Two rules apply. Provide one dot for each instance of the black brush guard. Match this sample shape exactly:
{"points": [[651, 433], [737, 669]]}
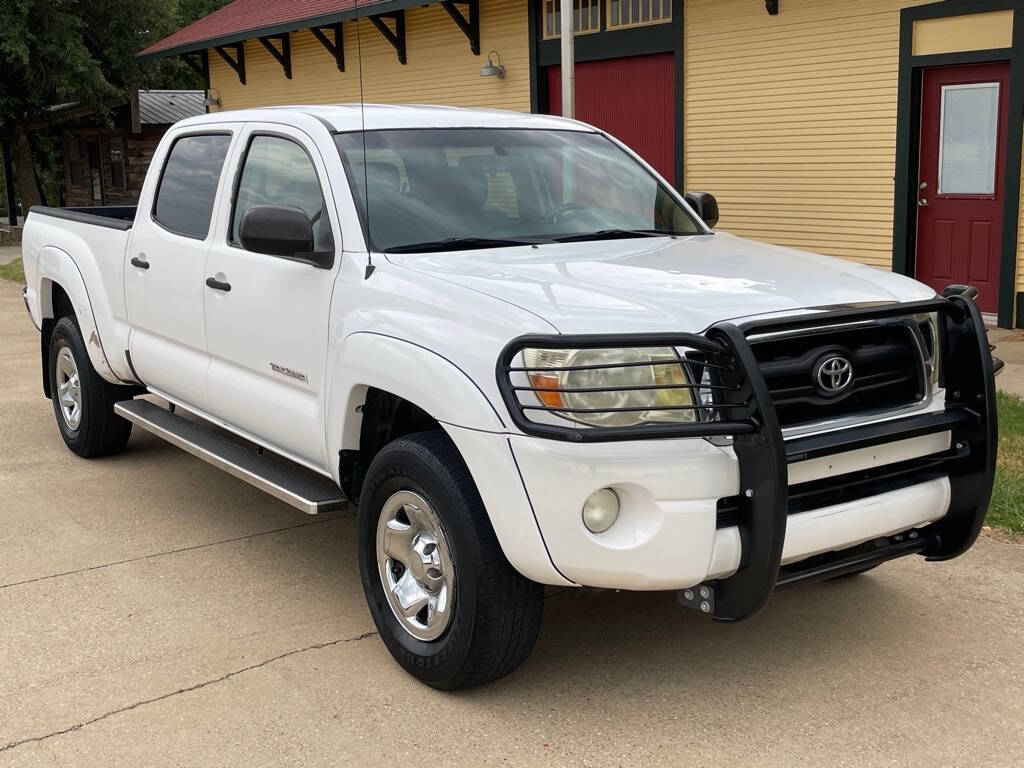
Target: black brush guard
{"points": [[746, 413]]}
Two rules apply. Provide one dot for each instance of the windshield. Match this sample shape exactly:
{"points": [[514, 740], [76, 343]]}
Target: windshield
{"points": [[444, 189]]}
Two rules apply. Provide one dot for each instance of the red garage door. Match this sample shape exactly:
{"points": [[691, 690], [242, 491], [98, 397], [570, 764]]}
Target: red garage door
{"points": [[632, 98]]}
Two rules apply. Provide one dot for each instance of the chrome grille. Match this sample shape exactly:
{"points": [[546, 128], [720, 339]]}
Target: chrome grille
{"points": [[886, 360]]}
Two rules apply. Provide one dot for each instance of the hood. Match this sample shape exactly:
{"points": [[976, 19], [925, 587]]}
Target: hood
{"points": [[662, 284]]}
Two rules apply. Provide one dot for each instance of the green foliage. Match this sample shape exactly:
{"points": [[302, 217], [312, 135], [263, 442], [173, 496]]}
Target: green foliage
{"points": [[1007, 508], [58, 51]]}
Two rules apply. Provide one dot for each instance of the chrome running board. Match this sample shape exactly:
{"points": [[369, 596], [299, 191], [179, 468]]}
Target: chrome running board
{"points": [[310, 494]]}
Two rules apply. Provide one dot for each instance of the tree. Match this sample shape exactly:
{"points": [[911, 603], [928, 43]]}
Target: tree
{"points": [[58, 51]]}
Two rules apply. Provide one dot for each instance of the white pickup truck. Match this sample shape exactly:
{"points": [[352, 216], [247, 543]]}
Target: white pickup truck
{"points": [[524, 355]]}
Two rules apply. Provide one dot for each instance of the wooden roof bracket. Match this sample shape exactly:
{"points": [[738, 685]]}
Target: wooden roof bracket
{"points": [[197, 62], [396, 36], [470, 26], [336, 47], [238, 62], [282, 55]]}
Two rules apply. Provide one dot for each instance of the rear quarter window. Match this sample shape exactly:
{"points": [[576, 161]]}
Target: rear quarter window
{"points": [[188, 184]]}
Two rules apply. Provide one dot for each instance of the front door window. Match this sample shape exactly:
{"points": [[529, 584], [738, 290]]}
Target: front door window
{"points": [[967, 147]]}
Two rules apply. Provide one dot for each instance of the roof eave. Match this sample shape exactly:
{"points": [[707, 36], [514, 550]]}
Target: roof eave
{"points": [[385, 6]]}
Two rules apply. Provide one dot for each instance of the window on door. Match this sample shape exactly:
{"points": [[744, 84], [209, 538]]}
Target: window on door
{"points": [[188, 185], [278, 171], [92, 148], [969, 128], [117, 174], [75, 160]]}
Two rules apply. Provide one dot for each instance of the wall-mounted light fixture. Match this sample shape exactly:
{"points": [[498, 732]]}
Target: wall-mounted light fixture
{"points": [[490, 69], [211, 101], [772, 6]]}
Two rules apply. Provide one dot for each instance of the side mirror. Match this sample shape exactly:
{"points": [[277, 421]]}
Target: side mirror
{"points": [[967, 291], [277, 230], [705, 205]]}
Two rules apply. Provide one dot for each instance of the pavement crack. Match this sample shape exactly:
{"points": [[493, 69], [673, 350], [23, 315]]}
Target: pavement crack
{"points": [[178, 692], [172, 552]]}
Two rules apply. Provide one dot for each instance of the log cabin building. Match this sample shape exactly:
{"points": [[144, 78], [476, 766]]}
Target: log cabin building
{"points": [[106, 163]]}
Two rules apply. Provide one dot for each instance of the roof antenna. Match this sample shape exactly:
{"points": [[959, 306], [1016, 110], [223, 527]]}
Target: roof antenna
{"points": [[362, 119]]}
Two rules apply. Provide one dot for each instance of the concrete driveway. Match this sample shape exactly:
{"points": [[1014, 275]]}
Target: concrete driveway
{"points": [[154, 611]]}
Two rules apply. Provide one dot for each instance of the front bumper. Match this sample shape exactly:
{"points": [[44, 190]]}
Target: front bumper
{"points": [[731, 517]]}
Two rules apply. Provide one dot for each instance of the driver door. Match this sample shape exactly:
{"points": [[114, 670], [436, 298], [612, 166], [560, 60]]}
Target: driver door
{"points": [[267, 317]]}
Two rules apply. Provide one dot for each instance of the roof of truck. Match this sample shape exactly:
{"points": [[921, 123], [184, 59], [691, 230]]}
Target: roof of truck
{"points": [[353, 117]]}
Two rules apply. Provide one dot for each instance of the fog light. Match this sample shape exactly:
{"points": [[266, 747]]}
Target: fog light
{"points": [[601, 510]]}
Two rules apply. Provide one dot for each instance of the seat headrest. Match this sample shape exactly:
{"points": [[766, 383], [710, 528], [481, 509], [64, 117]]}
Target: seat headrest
{"points": [[383, 177]]}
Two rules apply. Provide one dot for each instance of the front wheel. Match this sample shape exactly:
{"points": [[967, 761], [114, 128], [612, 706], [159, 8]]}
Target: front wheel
{"points": [[83, 402], [448, 605]]}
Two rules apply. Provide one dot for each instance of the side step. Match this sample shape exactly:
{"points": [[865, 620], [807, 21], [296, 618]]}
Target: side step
{"points": [[311, 495]]}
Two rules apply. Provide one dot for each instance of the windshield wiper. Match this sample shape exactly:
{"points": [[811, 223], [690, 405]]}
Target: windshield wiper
{"points": [[611, 234], [459, 244]]}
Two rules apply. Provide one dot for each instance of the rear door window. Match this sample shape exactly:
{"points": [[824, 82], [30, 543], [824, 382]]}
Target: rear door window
{"points": [[188, 184]]}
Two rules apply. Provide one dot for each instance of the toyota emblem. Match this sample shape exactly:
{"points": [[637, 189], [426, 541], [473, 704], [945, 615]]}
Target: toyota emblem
{"points": [[833, 375]]}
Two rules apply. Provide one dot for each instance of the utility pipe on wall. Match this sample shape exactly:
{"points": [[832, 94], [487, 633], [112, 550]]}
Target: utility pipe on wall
{"points": [[568, 79]]}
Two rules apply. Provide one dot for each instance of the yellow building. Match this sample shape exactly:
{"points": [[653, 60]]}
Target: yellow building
{"points": [[884, 131]]}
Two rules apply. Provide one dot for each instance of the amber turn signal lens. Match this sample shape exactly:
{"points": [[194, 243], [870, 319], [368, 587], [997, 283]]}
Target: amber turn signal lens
{"points": [[547, 382]]}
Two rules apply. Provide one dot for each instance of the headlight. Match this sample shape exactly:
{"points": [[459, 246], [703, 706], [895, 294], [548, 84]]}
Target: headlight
{"points": [[612, 387]]}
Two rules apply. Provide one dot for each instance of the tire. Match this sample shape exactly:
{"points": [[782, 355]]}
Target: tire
{"points": [[95, 430], [494, 613]]}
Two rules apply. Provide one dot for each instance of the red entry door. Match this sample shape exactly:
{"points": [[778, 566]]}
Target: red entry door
{"points": [[961, 177], [631, 98]]}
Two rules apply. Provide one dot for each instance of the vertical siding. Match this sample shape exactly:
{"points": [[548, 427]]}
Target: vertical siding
{"points": [[441, 69], [791, 120]]}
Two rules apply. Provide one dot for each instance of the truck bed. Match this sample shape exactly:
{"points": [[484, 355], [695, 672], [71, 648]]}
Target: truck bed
{"points": [[112, 216]]}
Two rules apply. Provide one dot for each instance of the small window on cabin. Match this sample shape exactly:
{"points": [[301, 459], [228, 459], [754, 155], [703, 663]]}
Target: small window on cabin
{"points": [[117, 163], [279, 172], [586, 17], [637, 13], [188, 185], [75, 160]]}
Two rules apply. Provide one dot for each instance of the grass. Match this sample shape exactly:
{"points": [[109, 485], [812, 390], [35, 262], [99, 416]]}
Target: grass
{"points": [[1007, 508], [13, 272]]}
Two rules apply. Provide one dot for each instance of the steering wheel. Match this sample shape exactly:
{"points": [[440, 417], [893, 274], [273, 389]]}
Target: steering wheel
{"points": [[559, 212]]}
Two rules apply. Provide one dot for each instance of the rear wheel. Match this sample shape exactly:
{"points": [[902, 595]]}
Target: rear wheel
{"points": [[83, 402], [448, 605]]}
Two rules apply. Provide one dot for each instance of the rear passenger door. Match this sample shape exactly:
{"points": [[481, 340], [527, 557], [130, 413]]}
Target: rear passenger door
{"points": [[165, 269], [267, 332]]}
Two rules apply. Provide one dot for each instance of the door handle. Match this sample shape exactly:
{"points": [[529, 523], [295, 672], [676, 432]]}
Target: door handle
{"points": [[217, 285], [140, 262], [922, 203]]}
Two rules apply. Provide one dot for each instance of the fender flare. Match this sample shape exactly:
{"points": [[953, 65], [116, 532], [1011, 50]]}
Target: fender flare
{"points": [[371, 359], [57, 266]]}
